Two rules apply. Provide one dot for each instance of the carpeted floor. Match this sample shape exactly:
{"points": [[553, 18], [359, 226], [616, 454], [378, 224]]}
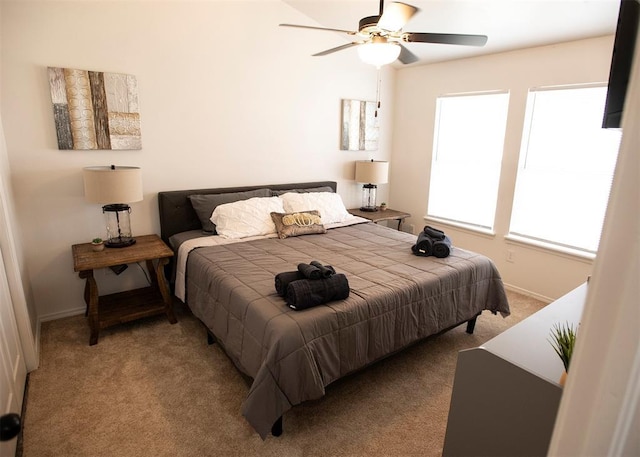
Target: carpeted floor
{"points": [[149, 388]]}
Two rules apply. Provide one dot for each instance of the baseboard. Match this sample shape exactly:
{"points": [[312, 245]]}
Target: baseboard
{"points": [[60, 315], [528, 293], [37, 342]]}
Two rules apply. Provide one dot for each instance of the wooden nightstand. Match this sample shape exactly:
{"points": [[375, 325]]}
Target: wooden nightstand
{"points": [[386, 215], [107, 310]]}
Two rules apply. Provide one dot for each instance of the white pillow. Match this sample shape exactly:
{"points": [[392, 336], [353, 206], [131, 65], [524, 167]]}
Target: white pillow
{"points": [[329, 205], [245, 218]]}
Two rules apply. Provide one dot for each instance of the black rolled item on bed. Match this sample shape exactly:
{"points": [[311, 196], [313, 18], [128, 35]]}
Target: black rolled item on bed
{"points": [[306, 293], [423, 246], [315, 270], [432, 242], [433, 233], [325, 270], [309, 271], [442, 248], [283, 279]]}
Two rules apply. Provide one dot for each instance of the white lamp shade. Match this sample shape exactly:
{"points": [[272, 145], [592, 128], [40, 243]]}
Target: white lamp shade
{"points": [[378, 54], [111, 184], [372, 172]]}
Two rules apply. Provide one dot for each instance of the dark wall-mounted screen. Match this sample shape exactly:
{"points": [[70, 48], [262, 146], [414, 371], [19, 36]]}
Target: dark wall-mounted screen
{"points": [[621, 61]]}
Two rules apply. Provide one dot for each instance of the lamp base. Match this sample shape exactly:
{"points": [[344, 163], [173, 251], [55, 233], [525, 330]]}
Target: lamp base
{"points": [[369, 198], [120, 243], [118, 225]]}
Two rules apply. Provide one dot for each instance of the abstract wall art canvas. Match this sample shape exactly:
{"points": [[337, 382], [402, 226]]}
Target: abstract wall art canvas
{"points": [[95, 110], [359, 126]]}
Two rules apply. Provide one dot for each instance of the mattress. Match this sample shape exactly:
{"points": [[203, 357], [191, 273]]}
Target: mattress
{"points": [[396, 299]]}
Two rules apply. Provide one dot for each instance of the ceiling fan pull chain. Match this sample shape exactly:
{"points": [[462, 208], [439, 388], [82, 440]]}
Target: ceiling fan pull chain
{"points": [[378, 93]]}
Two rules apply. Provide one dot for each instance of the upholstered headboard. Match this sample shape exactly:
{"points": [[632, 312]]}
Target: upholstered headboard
{"points": [[177, 215]]}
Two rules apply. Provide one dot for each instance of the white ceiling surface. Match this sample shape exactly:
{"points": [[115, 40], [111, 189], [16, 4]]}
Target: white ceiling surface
{"points": [[509, 24]]}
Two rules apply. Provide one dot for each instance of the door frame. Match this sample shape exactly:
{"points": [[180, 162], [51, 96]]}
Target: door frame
{"points": [[29, 341]]}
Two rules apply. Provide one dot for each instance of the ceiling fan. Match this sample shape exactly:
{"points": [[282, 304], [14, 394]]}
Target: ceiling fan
{"points": [[379, 38]]}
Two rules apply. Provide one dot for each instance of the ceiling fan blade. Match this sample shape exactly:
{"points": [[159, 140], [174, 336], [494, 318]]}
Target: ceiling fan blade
{"points": [[406, 56], [339, 48], [395, 16], [445, 38], [350, 32]]}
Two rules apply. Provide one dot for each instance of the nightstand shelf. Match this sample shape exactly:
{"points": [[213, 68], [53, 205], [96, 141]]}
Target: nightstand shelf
{"points": [[128, 306], [113, 309]]}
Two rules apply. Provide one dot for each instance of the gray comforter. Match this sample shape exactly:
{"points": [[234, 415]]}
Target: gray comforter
{"points": [[396, 299]]}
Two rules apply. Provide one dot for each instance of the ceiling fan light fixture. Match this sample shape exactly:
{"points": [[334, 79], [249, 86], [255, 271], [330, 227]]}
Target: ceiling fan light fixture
{"points": [[379, 54], [378, 37]]}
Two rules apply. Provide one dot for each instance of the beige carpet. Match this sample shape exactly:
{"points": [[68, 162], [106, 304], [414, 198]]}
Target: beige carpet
{"points": [[153, 389]]}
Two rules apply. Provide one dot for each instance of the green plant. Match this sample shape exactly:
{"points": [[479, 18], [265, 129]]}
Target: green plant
{"points": [[563, 340], [96, 240]]}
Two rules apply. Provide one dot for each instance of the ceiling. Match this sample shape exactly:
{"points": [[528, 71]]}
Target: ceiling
{"points": [[509, 24]]}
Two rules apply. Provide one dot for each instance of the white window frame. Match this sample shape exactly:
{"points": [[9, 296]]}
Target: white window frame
{"points": [[518, 238], [466, 225]]}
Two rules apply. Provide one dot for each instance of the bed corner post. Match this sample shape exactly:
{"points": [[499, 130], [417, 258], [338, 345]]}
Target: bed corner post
{"points": [[276, 428], [471, 324]]}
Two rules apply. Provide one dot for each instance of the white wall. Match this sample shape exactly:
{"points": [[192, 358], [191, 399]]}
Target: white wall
{"points": [[226, 98], [534, 270]]}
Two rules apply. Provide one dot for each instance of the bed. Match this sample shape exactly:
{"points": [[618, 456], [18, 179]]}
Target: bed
{"points": [[396, 298]]}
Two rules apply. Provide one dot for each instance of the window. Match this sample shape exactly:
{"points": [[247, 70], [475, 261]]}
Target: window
{"points": [[467, 155], [565, 169]]}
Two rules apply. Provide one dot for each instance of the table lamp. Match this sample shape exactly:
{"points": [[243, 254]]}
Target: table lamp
{"points": [[371, 172], [114, 187]]}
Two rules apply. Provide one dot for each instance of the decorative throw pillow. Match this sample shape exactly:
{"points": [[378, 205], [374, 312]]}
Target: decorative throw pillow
{"points": [[296, 224], [277, 193], [245, 218], [204, 204], [329, 205]]}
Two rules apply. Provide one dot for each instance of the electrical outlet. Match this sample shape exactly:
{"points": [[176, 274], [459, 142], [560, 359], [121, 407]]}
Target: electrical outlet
{"points": [[511, 256]]}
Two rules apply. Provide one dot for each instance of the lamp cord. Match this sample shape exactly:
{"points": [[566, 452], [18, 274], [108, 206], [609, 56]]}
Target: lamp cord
{"points": [[119, 231], [144, 271]]}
